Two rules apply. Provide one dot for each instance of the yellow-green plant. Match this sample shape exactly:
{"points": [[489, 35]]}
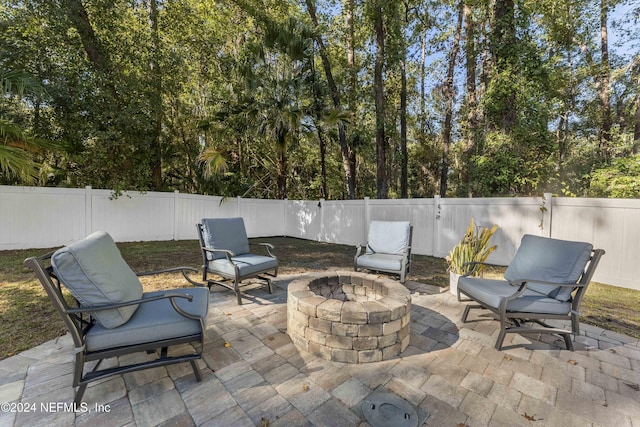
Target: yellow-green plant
{"points": [[473, 247]]}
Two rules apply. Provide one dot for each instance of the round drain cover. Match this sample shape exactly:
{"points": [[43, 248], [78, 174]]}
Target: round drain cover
{"points": [[388, 410]]}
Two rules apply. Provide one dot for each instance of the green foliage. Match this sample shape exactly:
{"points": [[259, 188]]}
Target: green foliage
{"points": [[17, 142], [511, 164], [473, 247], [621, 179], [232, 98]]}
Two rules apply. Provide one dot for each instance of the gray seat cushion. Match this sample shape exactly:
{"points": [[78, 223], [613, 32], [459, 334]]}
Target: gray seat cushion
{"points": [[225, 233], [154, 321], [549, 260], [378, 261], [248, 265], [491, 292], [388, 237], [96, 274]]}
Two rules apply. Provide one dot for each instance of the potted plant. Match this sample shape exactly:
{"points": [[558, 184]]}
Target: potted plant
{"points": [[473, 247]]}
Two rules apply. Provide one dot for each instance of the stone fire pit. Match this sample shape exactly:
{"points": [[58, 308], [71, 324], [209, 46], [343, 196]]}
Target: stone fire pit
{"points": [[348, 316]]}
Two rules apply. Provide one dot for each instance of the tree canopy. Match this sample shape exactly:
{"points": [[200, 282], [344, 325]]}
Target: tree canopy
{"points": [[331, 99]]}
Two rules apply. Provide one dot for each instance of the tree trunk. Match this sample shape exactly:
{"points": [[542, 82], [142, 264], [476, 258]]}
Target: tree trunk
{"points": [[323, 163], [156, 99], [471, 98], [504, 61], [636, 127], [378, 86], [99, 58], [348, 154], [322, 145], [636, 124], [353, 87], [448, 96], [603, 90], [281, 180], [563, 126], [351, 60], [423, 79], [404, 156]]}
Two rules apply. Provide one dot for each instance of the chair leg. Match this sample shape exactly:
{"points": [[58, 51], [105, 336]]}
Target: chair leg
{"points": [[79, 394], [78, 374], [466, 311], [501, 335], [568, 342], [196, 370], [236, 287], [269, 285]]}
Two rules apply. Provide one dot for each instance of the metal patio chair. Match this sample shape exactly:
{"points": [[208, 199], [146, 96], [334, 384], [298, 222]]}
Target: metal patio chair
{"points": [[226, 253], [113, 316], [388, 248], [546, 280]]}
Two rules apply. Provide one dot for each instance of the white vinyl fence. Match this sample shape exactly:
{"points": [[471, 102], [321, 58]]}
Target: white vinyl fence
{"points": [[35, 217]]}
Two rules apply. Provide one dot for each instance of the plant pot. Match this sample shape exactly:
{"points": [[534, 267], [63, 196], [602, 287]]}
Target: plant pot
{"points": [[453, 282]]}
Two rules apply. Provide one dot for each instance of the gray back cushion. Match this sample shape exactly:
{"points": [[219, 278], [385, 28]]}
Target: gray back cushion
{"points": [[225, 233], [388, 237], [550, 260], [96, 274]]}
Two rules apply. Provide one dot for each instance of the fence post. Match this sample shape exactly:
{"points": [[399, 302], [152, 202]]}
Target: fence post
{"points": [[176, 193], [367, 219], [547, 214], [238, 207], [285, 229], [321, 231], [88, 210], [435, 230]]}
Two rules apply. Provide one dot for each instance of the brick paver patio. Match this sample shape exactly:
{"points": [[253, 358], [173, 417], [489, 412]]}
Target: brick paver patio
{"points": [[254, 376]]}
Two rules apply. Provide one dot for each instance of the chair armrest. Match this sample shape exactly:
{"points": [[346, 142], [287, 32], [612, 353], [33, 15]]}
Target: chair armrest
{"points": [[167, 270], [268, 246], [227, 252], [360, 247], [127, 303], [522, 286], [543, 282]]}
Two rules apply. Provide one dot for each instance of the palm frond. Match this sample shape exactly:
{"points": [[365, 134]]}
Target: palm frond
{"points": [[214, 162], [17, 162]]}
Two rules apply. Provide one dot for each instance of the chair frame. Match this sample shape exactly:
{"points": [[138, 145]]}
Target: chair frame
{"points": [[405, 267], [78, 321], [513, 321], [236, 278]]}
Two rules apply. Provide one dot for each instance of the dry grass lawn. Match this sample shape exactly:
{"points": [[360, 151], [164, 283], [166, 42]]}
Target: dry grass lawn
{"points": [[28, 318]]}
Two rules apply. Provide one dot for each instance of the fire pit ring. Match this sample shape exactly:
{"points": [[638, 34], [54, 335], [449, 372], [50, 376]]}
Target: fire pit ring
{"points": [[349, 317]]}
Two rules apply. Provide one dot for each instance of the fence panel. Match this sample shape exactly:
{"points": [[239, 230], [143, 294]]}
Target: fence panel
{"points": [[33, 217], [133, 216], [421, 214], [343, 222], [191, 208], [263, 218], [514, 217], [302, 219], [609, 224]]}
